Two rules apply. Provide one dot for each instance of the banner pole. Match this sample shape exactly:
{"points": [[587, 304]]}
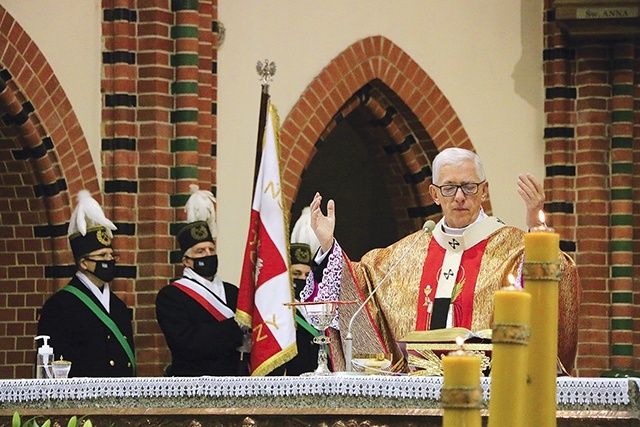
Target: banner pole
{"points": [[266, 71]]}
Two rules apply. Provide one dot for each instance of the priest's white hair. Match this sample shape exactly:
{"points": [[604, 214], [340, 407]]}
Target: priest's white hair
{"points": [[455, 156]]}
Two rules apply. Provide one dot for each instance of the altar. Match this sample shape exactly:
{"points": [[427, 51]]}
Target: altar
{"points": [[336, 401]]}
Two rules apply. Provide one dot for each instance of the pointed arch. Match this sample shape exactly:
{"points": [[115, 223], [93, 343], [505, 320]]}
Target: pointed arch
{"points": [[41, 120], [415, 114]]}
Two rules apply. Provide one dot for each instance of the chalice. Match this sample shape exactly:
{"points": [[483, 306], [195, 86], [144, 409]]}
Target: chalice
{"points": [[319, 314]]}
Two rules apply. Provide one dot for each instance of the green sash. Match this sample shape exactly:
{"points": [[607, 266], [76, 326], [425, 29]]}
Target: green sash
{"points": [[106, 320], [302, 322]]}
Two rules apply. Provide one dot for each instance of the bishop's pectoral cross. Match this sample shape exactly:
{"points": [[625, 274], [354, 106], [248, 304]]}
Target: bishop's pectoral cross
{"points": [[454, 243]]}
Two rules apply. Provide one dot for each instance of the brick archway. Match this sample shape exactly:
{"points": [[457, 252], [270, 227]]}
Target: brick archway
{"points": [[43, 158], [46, 107], [414, 113]]}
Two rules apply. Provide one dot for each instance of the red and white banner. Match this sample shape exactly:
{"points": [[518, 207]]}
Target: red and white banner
{"points": [[265, 283]]}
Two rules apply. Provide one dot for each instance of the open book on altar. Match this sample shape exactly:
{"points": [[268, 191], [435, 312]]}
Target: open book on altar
{"points": [[425, 348], [448, 335]]}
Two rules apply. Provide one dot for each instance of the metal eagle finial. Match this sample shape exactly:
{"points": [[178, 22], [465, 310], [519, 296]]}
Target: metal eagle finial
{"points": [[266, 71]]}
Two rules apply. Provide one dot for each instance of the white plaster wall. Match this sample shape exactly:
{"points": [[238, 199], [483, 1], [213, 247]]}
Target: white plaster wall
{"points": [[69, 35], [486, 57]]}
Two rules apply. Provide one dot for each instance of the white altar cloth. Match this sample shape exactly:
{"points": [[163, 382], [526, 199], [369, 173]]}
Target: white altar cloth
{"points": [[570, 391]]}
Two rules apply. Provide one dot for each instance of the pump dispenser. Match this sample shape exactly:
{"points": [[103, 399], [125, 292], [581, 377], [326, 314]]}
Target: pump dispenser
{"points": [[44, 358]]}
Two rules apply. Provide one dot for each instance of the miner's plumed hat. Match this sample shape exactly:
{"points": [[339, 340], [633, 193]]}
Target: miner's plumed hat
{"points": [[89, 229], [304, 243], [201, 219], [303, 233], [300, 253]]}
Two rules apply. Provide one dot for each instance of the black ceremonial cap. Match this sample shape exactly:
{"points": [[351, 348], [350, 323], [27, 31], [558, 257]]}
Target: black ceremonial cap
{"points": [[192, 234]]}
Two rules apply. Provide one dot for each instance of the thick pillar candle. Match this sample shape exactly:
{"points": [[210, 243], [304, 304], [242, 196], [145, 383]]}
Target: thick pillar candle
{"points": [[461, 395], [541, 273], [509, 356]]}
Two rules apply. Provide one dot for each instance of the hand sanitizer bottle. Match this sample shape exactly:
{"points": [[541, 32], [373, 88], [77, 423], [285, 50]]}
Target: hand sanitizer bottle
{"points": [[44, 358]]}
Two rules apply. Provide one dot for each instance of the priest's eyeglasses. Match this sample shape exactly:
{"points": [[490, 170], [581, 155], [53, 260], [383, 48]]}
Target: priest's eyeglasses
{"points": [[468, 189]]}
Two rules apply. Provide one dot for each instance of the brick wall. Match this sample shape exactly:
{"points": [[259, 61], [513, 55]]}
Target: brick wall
{"points": [[592, 137]]}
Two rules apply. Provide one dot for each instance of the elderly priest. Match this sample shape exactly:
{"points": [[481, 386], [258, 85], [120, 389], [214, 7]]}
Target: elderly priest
{"points": [[441, 279]]}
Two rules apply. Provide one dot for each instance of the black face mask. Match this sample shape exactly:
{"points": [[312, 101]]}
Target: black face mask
{"points": [[298, 285], [105, 270], [206, 266]]}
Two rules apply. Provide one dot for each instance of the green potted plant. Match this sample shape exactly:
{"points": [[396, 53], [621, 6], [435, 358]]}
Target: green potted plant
{"points": [[32, 422]]}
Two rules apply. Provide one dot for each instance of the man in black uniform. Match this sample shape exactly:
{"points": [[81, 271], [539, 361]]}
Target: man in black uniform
{"points": [[307, 358], [197, 312], [88, 324], [303, 244]]}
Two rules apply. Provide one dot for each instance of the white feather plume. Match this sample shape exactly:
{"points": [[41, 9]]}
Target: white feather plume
{"points": [[88, 213], [303, 233], [201, 207]]}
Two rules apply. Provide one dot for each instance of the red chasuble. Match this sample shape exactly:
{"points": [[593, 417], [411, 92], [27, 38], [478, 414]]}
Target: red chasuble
{"points": [[398, 306]]}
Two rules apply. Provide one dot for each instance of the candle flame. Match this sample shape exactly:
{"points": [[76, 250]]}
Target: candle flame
{"points": [[541, 216], [460, 351], [511, 279]]}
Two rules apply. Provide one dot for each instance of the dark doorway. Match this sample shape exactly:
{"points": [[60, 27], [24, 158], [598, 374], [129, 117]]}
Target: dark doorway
{"points": [[346, 170]]}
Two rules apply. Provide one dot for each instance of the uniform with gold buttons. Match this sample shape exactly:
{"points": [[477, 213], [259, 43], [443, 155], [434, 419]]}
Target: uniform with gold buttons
{"points": [[85, 320], [79, 336]]}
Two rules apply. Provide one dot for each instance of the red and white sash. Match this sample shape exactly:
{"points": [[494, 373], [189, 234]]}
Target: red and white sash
{"points": [[205, 298]]}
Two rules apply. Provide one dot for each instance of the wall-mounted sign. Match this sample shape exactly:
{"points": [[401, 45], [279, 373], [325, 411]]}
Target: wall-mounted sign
{"points": [[604, 19], [606, 12]]}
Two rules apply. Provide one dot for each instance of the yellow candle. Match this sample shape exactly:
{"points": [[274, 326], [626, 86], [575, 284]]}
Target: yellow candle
{"points": [[510, 339], [461, 394], [541, 272]]}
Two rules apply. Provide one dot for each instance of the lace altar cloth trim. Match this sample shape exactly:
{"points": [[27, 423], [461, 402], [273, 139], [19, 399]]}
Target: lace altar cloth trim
{"points": [[570, 391]]}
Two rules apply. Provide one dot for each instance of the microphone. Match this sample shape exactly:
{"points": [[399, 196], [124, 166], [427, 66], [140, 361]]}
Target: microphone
{"points": [[348, 341]]}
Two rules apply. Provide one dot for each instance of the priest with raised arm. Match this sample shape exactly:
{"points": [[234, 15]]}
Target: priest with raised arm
{"points": [[439, 279]]}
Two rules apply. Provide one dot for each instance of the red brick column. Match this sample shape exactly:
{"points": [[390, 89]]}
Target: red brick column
{"points": [[159, 127], [592, 112], [635, 296], [621, 247], [593, 205], [154, 242], [120, 132], [207, 105]]}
